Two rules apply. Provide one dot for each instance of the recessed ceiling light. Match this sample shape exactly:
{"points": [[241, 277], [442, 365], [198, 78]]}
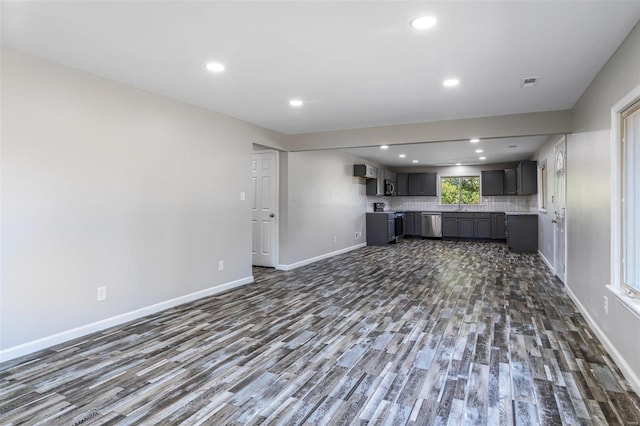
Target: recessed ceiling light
{"points": [[296, 103], [215, 67], [482, 158], [458, 164], [478, 151], [423, 22], [474, 140], [402, 155], [451, 82], [384, 146], [414, 161]]}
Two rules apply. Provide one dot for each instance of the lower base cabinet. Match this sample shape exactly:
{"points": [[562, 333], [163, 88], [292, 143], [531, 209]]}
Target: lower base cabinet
{"points": [[482, 225], [381, 228], [478, 225], [413, 224], [522, 233], [498, 226]]}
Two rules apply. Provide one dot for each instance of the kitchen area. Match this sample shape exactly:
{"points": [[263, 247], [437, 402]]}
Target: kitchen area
{"points": [[414, 205]]}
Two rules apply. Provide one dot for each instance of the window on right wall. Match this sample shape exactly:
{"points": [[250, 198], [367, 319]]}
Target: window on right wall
{"points": [[542, 185], [630, 197]]}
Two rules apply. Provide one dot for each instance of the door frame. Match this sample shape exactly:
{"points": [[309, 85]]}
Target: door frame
{"points": [[276, 230], [562, 278]]}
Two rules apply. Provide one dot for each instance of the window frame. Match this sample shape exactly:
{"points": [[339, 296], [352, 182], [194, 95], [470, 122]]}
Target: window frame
{"points": [[543, 177], [629, 296], [468, 175]]}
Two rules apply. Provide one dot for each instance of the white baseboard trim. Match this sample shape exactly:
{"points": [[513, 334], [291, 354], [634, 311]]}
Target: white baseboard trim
{"points": [[546, 262], [317, 258], [65, 336], [628, 373]]}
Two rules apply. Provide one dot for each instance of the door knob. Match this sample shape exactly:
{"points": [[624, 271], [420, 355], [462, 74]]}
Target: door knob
{"points": [[272, 215]]}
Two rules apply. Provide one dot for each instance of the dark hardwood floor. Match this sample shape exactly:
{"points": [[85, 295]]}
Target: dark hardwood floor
{"points": [[425, 332]]}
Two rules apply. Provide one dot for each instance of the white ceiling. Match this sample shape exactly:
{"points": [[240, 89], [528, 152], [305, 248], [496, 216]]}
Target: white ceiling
{"points": [[499, 150], [355, 64]]}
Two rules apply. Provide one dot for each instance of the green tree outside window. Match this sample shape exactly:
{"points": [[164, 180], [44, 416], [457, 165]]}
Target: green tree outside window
{"points": [[460, 190]]}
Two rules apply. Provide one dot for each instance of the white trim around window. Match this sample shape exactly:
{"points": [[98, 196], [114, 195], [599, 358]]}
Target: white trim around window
{"points": [[617, 287]]}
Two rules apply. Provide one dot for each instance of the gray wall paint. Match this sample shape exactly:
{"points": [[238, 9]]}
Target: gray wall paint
{"points": [[615, 80], [323, 200], [106, 185], [588, 199]]}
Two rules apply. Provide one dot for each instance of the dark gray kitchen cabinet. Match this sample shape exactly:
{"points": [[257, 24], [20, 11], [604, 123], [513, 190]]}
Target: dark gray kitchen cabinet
{"points": [[413, 224], [498, 227], [522, 233], [510, 182], [482, 225], [409, 224], [457, 225], [492, 182], [381, 228], [417, 224], [402, 184], [449, 226], [423, 184], [527, 178], [465, 226]]}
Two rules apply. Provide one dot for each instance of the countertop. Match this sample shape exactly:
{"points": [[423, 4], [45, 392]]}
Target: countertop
{"points": [[521, 213]]}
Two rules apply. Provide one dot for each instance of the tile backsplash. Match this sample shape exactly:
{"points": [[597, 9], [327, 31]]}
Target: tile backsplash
{"points": [[503, 203]]}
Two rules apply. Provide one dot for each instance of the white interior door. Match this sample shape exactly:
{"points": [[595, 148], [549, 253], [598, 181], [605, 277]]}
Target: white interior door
{"points": [[560, 208], [264, 208]]}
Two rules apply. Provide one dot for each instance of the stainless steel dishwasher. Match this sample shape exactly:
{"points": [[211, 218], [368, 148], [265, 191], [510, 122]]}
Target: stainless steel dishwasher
{"points": [[431, 224]]}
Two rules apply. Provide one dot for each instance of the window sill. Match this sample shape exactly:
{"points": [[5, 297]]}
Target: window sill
{"points": [[629, 303]]}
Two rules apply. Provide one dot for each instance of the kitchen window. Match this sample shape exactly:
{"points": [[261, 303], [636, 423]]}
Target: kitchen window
{"points": [[460, 190]]}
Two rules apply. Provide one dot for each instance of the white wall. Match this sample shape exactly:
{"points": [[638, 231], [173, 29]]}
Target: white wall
{"points": [[588, 202], [321, 200], [106, 185]]}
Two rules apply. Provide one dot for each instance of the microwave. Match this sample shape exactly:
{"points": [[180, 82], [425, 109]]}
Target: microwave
{"points": [[389, 187]]}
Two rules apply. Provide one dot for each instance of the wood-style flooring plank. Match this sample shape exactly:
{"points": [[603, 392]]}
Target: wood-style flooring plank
{"points": [[422, 332]]}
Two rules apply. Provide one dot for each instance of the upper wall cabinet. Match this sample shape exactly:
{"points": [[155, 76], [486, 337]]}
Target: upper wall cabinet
{"points": [[364, 170], [402, 184], [527, 178], [492, 182], [522, 180], [424, 184], [510, 182]]}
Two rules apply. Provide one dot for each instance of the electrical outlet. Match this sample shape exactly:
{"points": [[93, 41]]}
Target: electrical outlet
{"points": [[357, 235], [102, 294], [606, 305], [242, 196], [221, 265], [335, 239]]}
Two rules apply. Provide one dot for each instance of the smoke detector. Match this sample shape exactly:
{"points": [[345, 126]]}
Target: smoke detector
{"points": [[528, 82]]}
